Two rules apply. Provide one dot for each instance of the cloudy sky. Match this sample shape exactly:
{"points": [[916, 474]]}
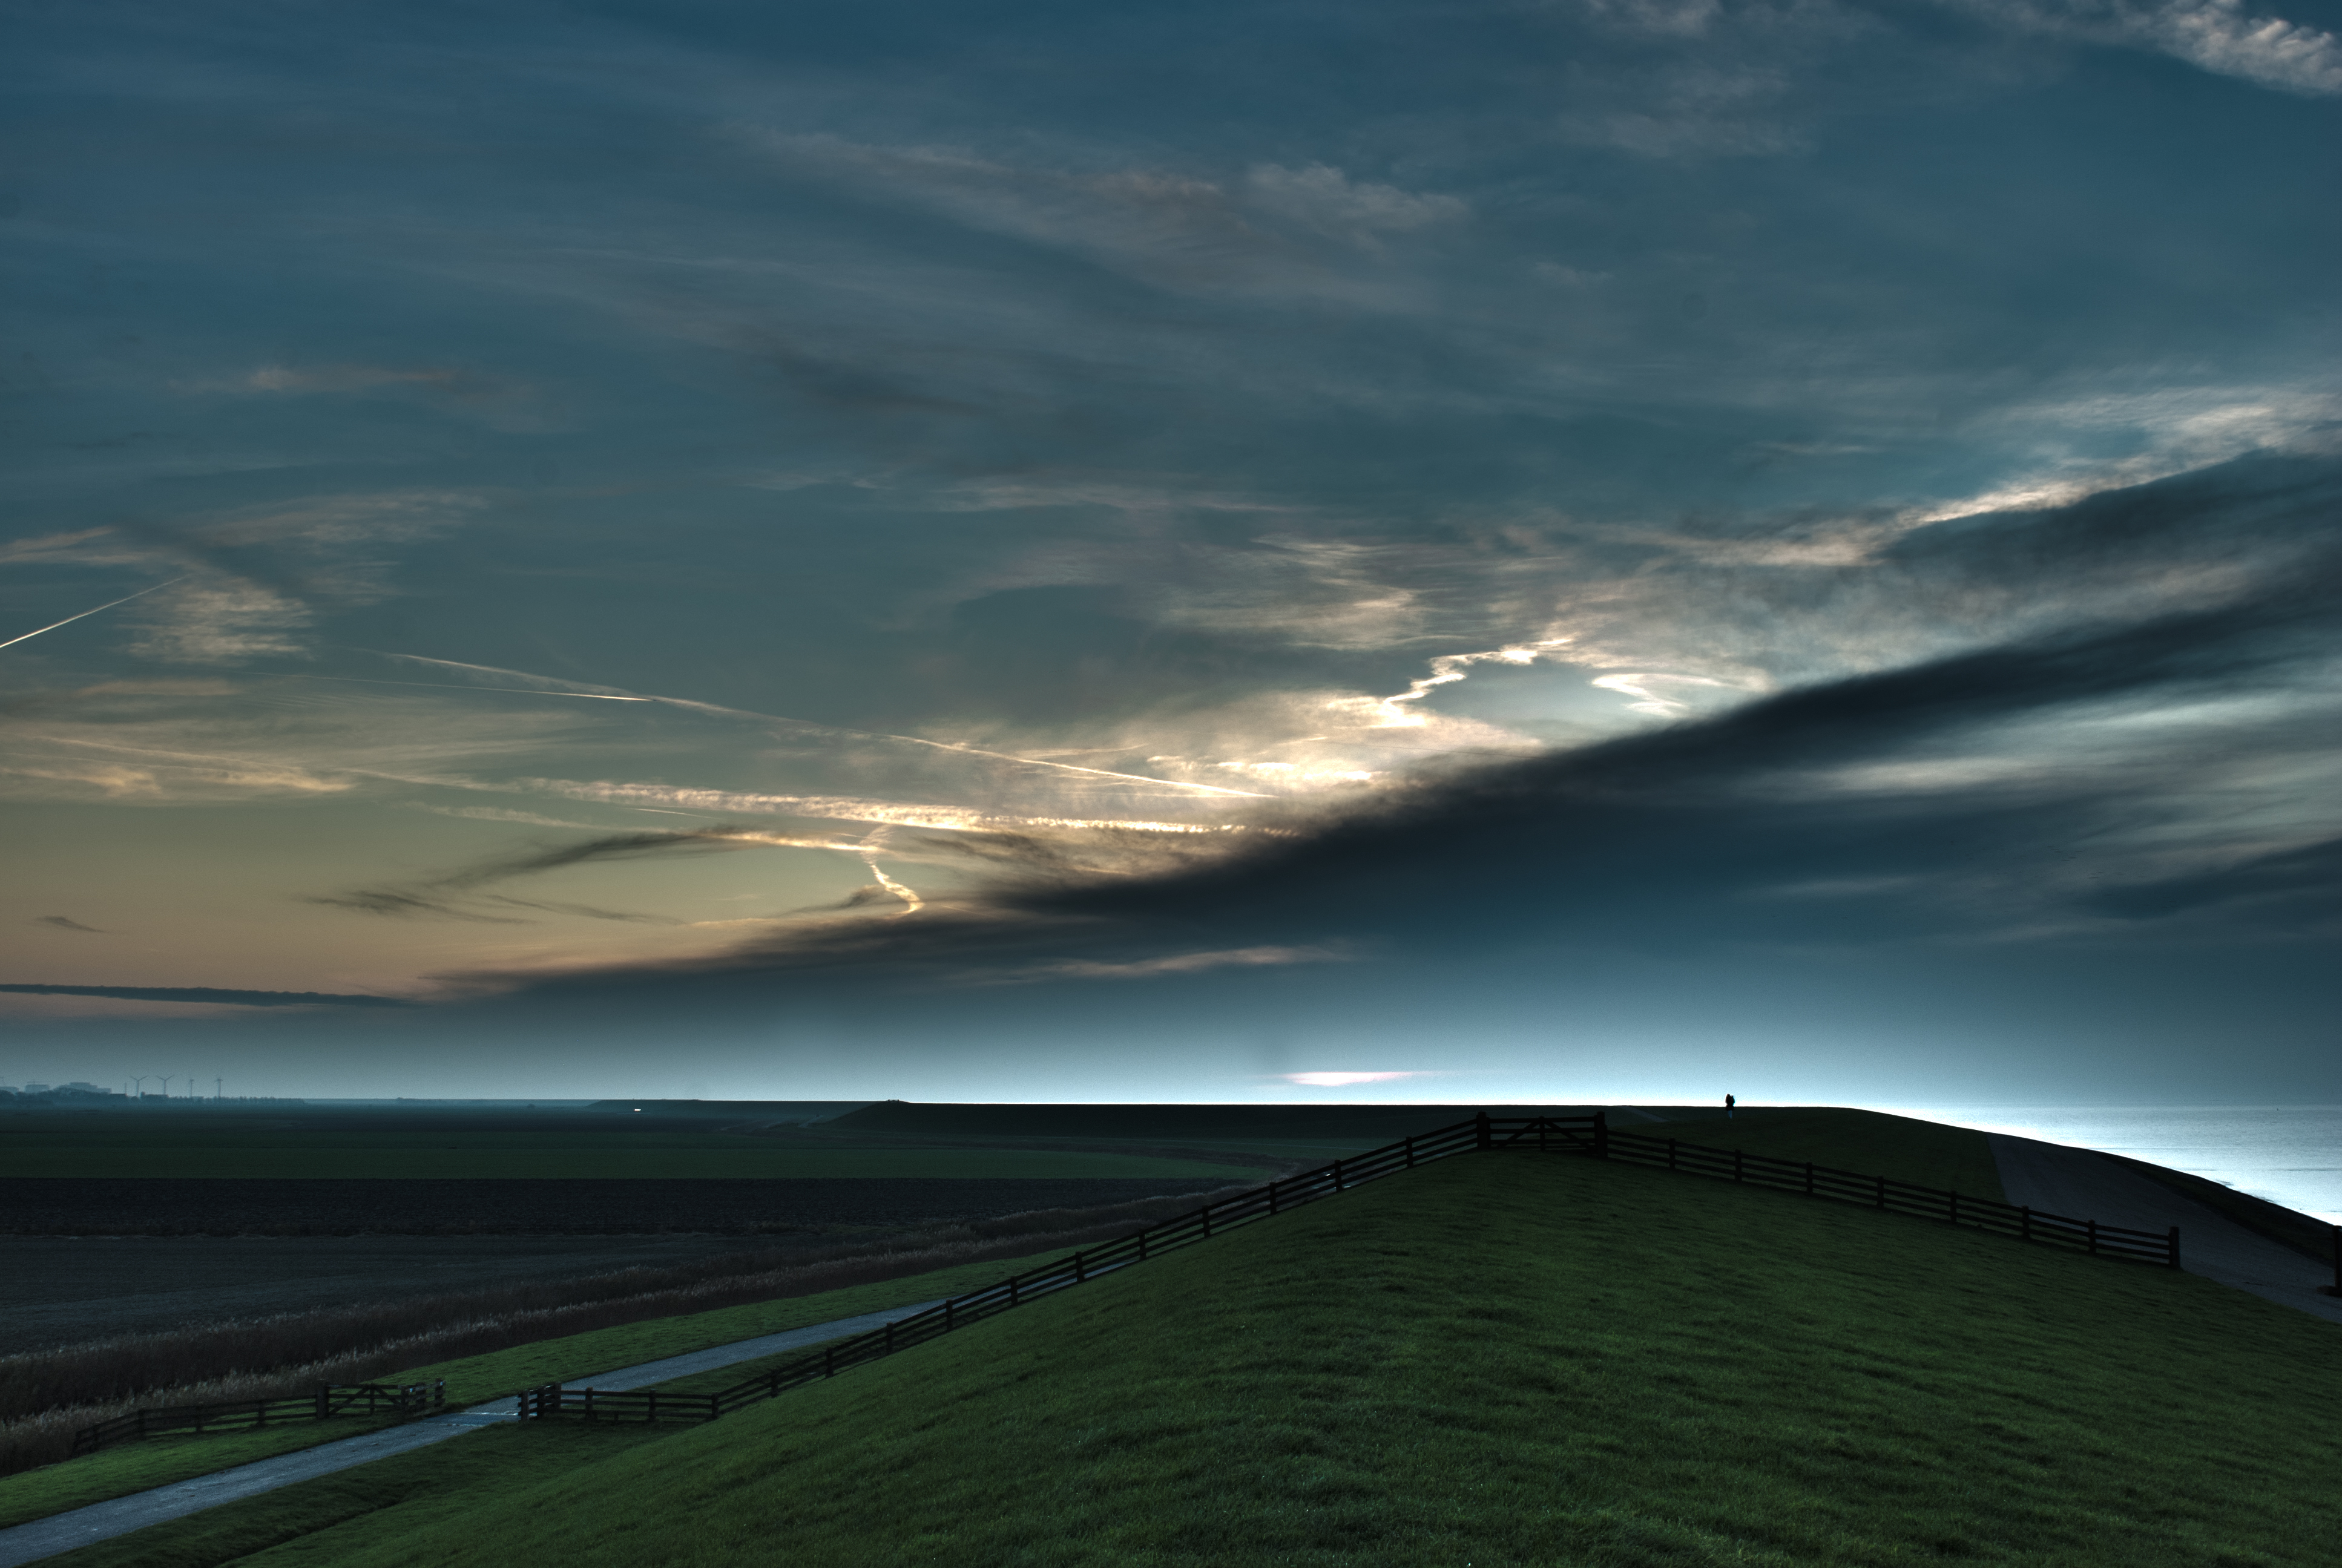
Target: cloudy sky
{"points": [[1577, 549]]}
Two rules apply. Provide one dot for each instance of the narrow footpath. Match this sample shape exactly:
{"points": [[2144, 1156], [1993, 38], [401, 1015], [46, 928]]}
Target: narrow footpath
{"points": [[30, 1543], [2082, 1181]]}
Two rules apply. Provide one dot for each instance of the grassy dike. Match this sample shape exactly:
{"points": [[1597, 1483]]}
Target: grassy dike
{"points": [[1494, 1360]]}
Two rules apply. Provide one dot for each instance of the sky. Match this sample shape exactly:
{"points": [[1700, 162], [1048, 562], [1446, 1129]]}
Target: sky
{"points": [[1599, 549]]}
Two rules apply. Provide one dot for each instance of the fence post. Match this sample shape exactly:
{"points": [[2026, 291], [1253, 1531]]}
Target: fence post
{"points": [[2094, 1238], [948, 1324], [1882, 1191], [1955, 1207], [890, 1337], [325, 1393], [1205, 1214], [1142, 1246], [1082, 1264], [1671, 1153], [1272, 1209], [1337, 1175], [1601, 1135], [2175, 1246], [2025, 1224], [650, 1411], [1410, 1165], [829, 1353], [1480, 1125], [1810, 1178], [1015, 1285]]}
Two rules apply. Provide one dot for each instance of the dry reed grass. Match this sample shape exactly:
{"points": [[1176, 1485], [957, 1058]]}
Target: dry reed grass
{"points": [[45, 1396]]}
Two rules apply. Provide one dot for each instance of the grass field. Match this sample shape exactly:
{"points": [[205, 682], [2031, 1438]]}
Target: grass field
{"points": [[473, 1380], [1486, 1362], [261, 1153]]}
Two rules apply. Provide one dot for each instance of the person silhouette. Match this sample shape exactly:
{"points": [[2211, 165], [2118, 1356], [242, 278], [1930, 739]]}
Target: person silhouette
{"points": [[1728, 1103]]}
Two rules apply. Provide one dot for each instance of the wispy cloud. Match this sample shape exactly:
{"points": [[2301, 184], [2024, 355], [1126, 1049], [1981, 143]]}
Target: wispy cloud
{"points": [[1186, 231], [1157, 968], [1813, 815], [502, 402], [2218, 35], [66, 922]]}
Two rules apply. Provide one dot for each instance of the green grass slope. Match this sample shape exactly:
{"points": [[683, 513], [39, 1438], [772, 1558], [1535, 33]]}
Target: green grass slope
{"points": [[474, 1380], [1496, 1360]]}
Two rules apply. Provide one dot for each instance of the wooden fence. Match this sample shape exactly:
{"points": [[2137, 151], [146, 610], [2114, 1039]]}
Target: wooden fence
{"points": [[368, 1399], [1590, 1136], [1898, 1197]]}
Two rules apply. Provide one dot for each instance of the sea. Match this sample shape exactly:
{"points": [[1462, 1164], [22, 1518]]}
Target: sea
{"points": [[2289, 1154]]}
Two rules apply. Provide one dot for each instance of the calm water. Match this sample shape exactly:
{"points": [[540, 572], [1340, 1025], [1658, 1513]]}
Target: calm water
{"points": [[2290, 1155]]}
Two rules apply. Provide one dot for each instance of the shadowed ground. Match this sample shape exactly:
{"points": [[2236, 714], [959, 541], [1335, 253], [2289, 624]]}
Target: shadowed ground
{"points": [[2086, 1184]]}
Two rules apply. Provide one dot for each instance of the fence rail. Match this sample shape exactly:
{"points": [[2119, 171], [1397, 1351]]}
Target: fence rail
{"points": [[1589, 1136], [1900, 1197], [406, 1401]]}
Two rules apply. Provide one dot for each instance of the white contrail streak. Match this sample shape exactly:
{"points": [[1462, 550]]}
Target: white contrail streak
{"points": [[69, 620], [451, 686], [1068, 767], [833, 730], [871, 842], [947, 745]]}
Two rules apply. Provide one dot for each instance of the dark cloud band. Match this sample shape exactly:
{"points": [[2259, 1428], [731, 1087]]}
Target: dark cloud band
{"points": [[212, 995]]}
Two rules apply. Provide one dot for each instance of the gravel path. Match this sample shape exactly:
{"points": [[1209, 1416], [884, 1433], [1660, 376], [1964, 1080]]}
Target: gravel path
{"points": [[117, 1516], [2087, 1186]]}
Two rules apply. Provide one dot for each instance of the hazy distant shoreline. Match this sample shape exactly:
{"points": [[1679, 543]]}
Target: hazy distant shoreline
{"points": [[2289, 1154]]}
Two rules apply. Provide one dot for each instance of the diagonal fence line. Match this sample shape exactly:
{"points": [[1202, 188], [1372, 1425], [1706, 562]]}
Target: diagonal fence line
{"points": [[404, 1401], [1588, 1135]]}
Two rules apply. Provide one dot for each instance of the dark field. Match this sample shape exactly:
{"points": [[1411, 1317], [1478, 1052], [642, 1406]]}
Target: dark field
{"points": [[154, 1218], [159, 1217], [59, 1290], [574, 1207], [223, 1145]]}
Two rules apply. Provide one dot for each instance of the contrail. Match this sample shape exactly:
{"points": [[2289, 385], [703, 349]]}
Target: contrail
{"points": [[1043, 763], [947, 745], [69, 620], [827, 729], [451, 686]]}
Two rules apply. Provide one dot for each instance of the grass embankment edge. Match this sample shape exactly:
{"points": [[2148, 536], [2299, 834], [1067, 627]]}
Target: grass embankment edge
{"points": [[49, 1394], [1496, 1362], [476, 1379]]}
